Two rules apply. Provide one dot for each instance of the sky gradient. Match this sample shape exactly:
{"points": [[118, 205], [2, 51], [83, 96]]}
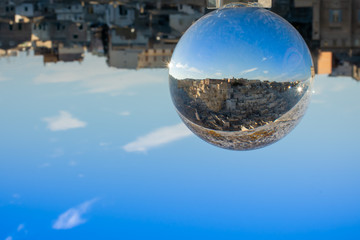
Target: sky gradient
{"points": [[92, 152], [251, 43]]}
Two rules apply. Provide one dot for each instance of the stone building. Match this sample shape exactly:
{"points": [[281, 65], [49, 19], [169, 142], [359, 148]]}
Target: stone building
{"points": [[12, 34], [157, 57], [234, 104], [65, 31], [335, 23]]}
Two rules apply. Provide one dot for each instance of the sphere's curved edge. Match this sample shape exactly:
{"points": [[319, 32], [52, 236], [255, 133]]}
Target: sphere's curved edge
{"points": [[255, 138], [240, 78]]}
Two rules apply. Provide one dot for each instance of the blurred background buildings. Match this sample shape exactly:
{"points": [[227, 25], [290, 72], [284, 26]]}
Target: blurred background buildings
{"points": [[144, 33]]}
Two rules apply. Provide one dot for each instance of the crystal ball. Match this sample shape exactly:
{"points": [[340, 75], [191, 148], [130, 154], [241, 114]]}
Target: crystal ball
{"points": [[240, 77]]}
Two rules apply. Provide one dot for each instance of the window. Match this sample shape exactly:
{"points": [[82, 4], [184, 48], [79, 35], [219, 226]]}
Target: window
{"points": [[335, 16], [357, 42], [26, 9], [122, 11]]}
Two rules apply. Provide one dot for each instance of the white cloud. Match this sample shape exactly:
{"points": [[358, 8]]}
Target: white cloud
{"points": [[249, 70], [2, 78], [9, 238], [58, 152], [195, 70], [180, 65], [125, 113], [104, 144], [63, 121], [158, 137], [339, 87], [219, 74], [100, 79], [44, 165], [73, 217], [20, 227], [16, 195], [16, 199], [264, 59], [72, 163], [187, 68], [266, 72]]}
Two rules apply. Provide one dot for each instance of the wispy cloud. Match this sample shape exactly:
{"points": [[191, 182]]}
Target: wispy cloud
{"points": [[338, 87], [248, 70], [73, 163], [158, 137], [58, 152], [104, 144], [19, 234], [266, 58], [195, 70], [187, 68], [44, 165], [219, 74], [182, 66], [16, 195], [16, 199], [20, 227], [3, 78], [73, 217], [63, 121], [100, 80], [125, 113]]}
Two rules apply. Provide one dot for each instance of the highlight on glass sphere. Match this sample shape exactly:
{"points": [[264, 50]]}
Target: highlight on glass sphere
{"points": [[240, 77]]}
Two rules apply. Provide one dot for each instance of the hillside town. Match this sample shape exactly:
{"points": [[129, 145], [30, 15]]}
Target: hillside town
{"points": [[235, 104], [144, 33], [128, 34]]}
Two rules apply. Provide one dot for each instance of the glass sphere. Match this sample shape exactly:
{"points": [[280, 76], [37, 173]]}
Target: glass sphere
{"points": [[240, 77]]}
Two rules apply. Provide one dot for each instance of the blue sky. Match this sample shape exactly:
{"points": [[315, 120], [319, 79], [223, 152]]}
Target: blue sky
{"points": [[242, 42], [91, 152]]}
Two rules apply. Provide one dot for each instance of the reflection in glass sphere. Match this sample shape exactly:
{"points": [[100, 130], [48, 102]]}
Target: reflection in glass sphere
{"points": [[240, 77]]}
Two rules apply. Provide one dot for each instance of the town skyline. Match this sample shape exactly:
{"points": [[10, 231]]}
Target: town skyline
{"points": [[146, 32]]}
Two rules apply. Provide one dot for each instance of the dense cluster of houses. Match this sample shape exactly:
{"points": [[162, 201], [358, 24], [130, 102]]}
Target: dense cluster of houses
{"points": [[129, 34], [143, 33]]}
